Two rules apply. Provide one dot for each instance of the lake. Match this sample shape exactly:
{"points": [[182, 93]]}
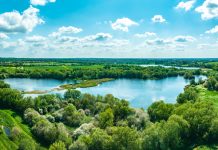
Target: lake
{"points": [[28, 85], [153, 65], [140, 93]]}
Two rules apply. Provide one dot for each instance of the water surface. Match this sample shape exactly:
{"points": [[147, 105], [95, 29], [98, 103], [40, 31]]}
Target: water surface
{"points": [[153, 65], [140, 93]]}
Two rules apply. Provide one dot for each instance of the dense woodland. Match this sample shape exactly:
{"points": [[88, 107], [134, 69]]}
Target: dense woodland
{"points": [[99, 71], [85, 122]]}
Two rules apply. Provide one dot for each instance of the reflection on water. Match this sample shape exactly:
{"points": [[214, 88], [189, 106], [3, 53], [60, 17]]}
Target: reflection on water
{"points": [[188, 68], [140, 93]]}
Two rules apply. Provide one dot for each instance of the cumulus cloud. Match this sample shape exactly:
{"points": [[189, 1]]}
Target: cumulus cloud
{"points": [[213, 30], [3, 36], [35, 38], [145, 35], [123, 24], [98, 37], [66, 30], [184, 39], [158, 42], [186, 5], [69, 30], [14, 22], [176, 39], [208, 10], [41, 2], [158, 19], [69, 39]]}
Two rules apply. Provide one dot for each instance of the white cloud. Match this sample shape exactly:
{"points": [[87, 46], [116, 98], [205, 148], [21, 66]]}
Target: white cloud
{"points": [[66, 30], [35, 38], [123, 24], [158, 42], [208, 10], [41, 2], [213, 30], [145, 35], [69, 30], [13, 22], [3, 36], [172, 41], [158, 19], [182, 39], [69, 39], [186, 5], [98, 37]]}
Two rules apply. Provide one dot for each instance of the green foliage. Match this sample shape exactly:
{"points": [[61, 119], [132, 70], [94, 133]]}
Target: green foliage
{"points": [[106, 118], [125, 138], [122, 110], [99, 140], [72, 117], [58, 146], [74, 94], [166, 135], [200, 116], [212, 84], [78, 145], [160, 111], [86, 122], [4, 85], [14, 134], [189, 75], [190, 94]]}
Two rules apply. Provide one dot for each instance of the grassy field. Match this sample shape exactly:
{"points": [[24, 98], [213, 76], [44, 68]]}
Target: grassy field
{"points": [[205, 94], [9, 120]]}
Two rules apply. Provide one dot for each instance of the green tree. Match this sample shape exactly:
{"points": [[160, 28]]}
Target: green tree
{"points": [[4, 85], [57, 146], [75, 94], [190, 94], [125, 138], [200, 116], [72, 117], [160, 111], [99, 140], [106, 118], [164, 135]]}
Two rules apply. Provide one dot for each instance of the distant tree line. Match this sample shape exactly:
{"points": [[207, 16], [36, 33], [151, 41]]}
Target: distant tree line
{"points": [[107, 71]]}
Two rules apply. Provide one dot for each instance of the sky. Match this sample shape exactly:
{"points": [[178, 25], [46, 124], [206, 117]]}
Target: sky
{"points": [[109, 28]]}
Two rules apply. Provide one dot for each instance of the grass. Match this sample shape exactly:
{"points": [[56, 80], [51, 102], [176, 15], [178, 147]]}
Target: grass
{"points": [[205, 94], [35, 92], [10, 119], [86, 83]]}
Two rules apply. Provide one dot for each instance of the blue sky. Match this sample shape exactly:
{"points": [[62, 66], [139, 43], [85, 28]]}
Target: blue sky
{"points": [[109, 28]]}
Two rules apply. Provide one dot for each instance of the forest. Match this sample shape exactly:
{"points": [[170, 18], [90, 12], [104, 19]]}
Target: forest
{"points": [[81, 121]]}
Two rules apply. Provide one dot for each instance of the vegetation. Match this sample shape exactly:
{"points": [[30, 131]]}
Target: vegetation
{"points": [[86, 83], [85, 122], [70, 69]]}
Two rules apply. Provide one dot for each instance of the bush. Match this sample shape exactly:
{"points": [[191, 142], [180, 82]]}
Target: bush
{"points": [[160, 111]]}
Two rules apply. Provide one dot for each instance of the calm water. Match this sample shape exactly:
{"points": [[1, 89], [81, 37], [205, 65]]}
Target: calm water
{"points": [[28, 85], [140, 93], [188, 68], [35, 84]]}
